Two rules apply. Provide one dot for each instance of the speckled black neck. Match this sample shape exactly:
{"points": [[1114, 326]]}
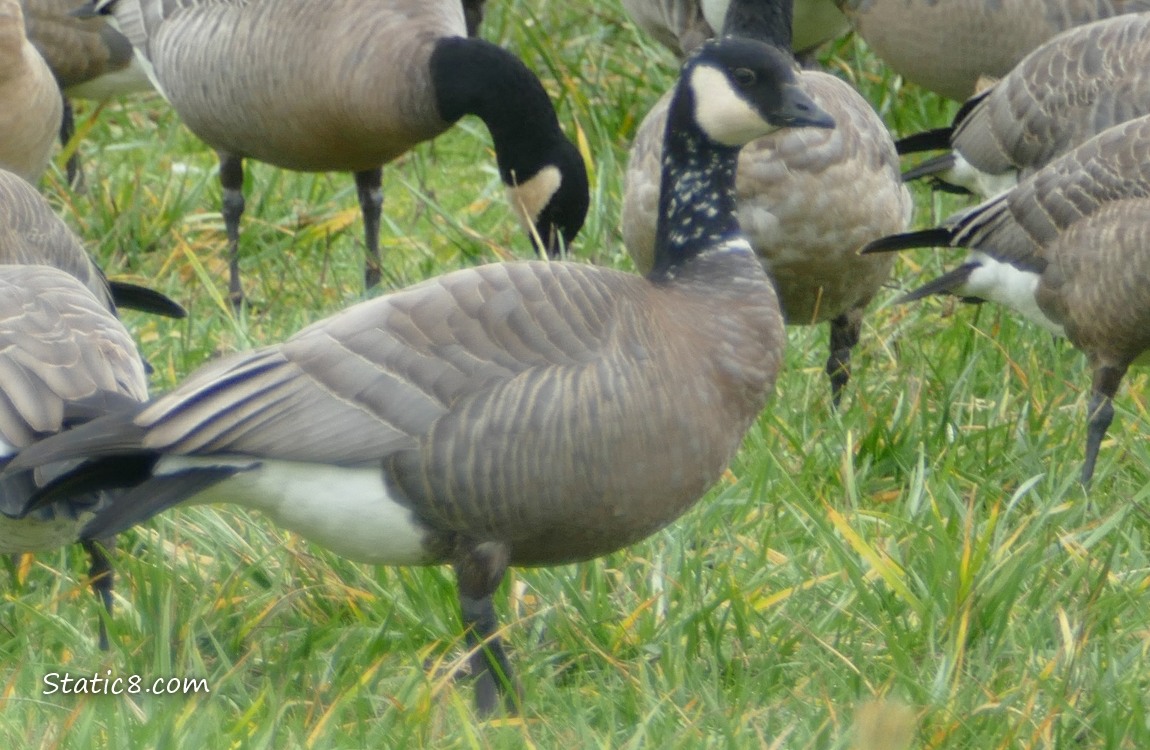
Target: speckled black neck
{"points": [[768, 21], [697, 191]]}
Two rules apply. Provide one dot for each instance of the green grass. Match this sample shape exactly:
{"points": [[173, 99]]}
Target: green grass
{"points": [[928, 544]]}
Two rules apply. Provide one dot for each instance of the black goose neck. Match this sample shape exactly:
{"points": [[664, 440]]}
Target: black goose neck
{"points": [[768, 21], [475, 77], [697, 190]]}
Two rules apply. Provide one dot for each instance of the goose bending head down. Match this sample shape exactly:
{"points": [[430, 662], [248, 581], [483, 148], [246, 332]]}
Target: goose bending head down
{"points": [[347, 85], [532, 413]]}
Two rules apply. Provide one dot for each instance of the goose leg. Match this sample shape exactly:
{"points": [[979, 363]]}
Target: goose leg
{"points": [[845, 330], [232, 183], [478, 570], [369, 186], [67, 130], [473, 12], [1105, 385], [101, 577]]}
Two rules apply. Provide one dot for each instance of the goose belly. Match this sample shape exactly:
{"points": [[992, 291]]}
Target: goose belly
{"points": [[351, 511]]}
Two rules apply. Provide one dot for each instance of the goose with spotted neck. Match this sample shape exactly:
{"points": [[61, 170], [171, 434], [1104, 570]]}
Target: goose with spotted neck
{"points": [[531, 413]]}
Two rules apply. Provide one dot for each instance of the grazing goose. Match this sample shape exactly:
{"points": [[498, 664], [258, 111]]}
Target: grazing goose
{"points": [[808, 199], [89, 59], [1066, 248], [682, 25], [347, 85], [32, 234], [30, 105], [64, 356], [1068, 90], [532, 413], [947, 47]]}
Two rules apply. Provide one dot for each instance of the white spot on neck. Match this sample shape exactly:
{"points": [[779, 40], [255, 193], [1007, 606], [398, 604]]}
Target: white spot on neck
{"points": [[530, 197], [722, 114]]}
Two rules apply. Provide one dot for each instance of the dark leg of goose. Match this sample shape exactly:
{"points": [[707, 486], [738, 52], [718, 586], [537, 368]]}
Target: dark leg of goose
{"points": [[100, 575], [473, 12], [1102, 390], [232, 182], [845, 330], [67, 130], [478, 570], [369, 185]]}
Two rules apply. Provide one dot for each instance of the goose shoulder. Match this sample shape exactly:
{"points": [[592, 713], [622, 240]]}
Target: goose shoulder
{"points": [[30, 105], [947, 47], [358, 102], [807, 200], [1066, 91], [678, 25]]}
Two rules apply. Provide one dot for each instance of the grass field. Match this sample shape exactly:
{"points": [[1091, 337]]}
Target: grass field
{"points": [[929, 545]]}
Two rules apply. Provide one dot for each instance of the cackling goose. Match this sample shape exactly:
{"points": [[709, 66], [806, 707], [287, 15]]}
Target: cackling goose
{"points": [[348, 86], [1065, 92], [948, 46], [808, 199], [531, 413], [1065, 248]]}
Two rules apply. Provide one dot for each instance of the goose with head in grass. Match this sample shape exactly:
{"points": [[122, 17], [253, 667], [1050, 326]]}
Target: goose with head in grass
{"points": [[349, 86], [64, 358], [532, 413], [1069, 249], [1070, 89], [807, 199]]}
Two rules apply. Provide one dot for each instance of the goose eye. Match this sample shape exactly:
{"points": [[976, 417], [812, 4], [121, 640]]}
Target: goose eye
{"points": [[744, 77]]}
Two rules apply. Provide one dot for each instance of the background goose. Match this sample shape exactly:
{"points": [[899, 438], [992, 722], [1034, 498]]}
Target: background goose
{"points": [[682, 25], [32, 234], [89, 59], [64, 357], [1089, 287], [30, 105], [1068, 90], [531, 413], [349, 86], [948, 46], [808, 199]]}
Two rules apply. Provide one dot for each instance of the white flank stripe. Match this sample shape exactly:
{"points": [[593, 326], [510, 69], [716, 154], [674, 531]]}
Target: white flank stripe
{"points": [[978, 182], [349, 511], [1003, 283]]}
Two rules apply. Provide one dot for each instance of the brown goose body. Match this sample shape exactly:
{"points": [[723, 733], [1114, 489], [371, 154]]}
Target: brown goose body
{"points": [[30, 104], [349, 86], [89, 58], [807, 199], [947, 47], [1073, 87], [521, 413], [1065, 248]]}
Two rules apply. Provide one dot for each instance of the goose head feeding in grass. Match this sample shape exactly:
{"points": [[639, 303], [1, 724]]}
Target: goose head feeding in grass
{"points": [[531, 413], [350, 86]]}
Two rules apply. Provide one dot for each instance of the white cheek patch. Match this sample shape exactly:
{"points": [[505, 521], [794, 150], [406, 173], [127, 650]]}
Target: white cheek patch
{"points": [[723, 115], [1003, 283], [529, 198]]}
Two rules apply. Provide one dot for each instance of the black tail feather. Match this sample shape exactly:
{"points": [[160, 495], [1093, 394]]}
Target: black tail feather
{"points": [[154, 496], [934, 237], [928, 140], [114, 473], [136, 297], [929, 168], [948, 283]]}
